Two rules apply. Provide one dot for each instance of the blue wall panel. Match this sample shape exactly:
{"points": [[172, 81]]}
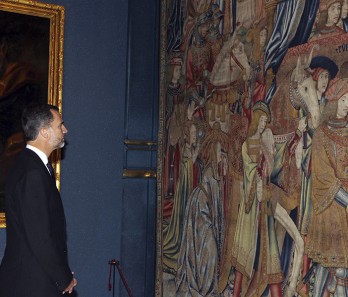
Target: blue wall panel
{"points": [[142, 84], [138, 236], [141, 121]]}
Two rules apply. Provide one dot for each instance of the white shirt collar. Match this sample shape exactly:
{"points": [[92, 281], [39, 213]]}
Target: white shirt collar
{"points": [[40, 153]]}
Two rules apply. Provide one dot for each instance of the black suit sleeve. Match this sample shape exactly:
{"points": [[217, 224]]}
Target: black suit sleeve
{"points": [[43, 227]]}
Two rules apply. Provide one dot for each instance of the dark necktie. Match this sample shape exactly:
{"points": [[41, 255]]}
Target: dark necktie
{"points": [[50, 169]]}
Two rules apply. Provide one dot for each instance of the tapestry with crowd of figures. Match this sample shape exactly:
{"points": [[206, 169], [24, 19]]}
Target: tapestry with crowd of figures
{"points": [[253, 148]]}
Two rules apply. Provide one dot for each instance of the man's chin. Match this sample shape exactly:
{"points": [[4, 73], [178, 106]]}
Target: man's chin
{"points": [[60, 145]]}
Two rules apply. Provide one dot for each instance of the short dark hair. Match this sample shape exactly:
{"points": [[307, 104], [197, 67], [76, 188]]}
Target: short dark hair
{"points": [[35, 117]]}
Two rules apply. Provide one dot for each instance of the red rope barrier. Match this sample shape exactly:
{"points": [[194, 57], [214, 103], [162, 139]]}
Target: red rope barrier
{"points": [[116, 263]]}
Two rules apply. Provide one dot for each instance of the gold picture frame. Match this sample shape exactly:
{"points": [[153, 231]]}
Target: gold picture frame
{"points": [[32, 35]]}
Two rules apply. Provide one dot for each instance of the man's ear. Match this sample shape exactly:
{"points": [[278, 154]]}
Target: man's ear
{"points": [[44, 133]]}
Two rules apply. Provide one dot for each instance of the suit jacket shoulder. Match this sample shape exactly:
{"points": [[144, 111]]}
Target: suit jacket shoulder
{"points": [[36, 230]]}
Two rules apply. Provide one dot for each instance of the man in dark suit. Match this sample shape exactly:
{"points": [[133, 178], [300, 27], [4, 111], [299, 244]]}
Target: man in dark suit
{"points": [[35, 262]]}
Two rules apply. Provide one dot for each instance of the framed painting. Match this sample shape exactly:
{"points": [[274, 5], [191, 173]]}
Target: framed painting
{"points": [[252, 151], [31, 70]]}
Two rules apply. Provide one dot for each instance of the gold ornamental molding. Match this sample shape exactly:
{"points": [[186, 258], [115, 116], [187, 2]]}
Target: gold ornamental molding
{"points": [[13, 12], [140, 145], [2, 220], [139, 173], [135, 144]]}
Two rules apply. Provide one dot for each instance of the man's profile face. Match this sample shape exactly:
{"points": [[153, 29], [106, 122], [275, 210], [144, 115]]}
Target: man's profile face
{"points": [[262, 123], [57, 131], [334, 12], [344, 10], [342, 108], [203, 29], [323, 81]]}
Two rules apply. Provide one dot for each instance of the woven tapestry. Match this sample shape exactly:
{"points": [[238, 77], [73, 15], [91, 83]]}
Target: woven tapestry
{"points": [[253, 150]]}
